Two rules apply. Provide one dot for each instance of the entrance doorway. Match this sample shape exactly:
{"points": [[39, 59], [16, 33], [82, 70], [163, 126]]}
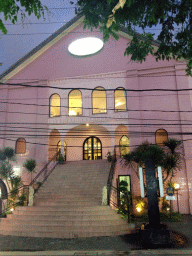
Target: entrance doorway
{"points": [[92, 149]]}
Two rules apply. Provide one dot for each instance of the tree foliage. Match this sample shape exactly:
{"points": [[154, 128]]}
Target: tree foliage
{"points": [[6, 169], [30, 165], [173, 17], [11, 9], [167, 156]]}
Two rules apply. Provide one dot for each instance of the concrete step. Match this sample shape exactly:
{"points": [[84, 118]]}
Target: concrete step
{"points": [[62, 222], [75, 216], [66, 209], [67, 235], [59, 228], [68, 206]]}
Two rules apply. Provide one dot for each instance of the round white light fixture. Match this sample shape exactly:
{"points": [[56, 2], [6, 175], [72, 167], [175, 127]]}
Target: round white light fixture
{"points": [[85, 46]]}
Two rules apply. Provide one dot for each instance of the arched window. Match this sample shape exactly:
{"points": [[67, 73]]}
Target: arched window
{"points": [[65, 150], [161, 136], [120, 99], [124, 145], [54, 105], [75, 103], [99, 100], [20, 146]]}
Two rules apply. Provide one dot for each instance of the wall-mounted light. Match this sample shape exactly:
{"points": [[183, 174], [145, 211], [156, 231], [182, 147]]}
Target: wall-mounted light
{"points": [[176, 186], [138, 209], [16, 170]]}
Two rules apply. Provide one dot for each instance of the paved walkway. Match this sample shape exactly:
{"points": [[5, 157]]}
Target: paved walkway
{"points": [[117, 245]]}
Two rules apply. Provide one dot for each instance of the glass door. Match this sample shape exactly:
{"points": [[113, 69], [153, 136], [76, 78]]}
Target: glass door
{"points": [[92, 149]]}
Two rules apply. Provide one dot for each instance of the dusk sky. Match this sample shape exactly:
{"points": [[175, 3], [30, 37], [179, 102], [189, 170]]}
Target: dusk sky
{"points": [[21, 39]]}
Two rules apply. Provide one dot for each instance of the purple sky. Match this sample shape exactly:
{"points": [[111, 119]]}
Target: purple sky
{"points": [[23, 38]]}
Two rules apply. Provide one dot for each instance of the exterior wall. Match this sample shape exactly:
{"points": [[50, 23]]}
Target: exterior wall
{"points": [[24, 118], [100, 125], [59, 72]]}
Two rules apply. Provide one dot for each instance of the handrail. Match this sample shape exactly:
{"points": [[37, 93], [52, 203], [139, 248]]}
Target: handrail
{"points": [[16, 197], [24, 190], [110, 177], [114, 197], [44, 171]]}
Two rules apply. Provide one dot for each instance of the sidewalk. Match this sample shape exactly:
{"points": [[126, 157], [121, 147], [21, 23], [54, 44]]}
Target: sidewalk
{"points": [[116, 245]]}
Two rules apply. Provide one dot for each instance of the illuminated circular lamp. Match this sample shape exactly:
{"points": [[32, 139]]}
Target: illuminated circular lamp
{"points": [[176, 186], [85, 46]]}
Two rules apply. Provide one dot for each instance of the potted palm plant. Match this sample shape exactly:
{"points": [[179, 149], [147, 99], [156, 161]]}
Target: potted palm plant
{"points": [[30, 165]]}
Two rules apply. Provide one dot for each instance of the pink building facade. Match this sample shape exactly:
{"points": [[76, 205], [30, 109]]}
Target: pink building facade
{"points": [[50, 74]]}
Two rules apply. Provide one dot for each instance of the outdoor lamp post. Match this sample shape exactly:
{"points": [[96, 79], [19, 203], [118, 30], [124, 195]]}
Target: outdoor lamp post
{"points": [[177, 187]]}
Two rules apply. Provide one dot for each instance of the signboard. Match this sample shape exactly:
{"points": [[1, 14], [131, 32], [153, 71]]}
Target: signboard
{"points": [[170, 197], [170, 191]]}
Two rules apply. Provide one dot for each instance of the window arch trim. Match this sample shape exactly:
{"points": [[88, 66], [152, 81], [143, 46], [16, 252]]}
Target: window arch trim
{"points": [[120, 89], [103, 90], [163, 131], [121, 146], [20, 149], [51, 106], [81, 107]]}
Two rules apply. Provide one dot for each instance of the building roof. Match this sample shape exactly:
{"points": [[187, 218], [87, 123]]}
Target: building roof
{"points": [[50, 41]]}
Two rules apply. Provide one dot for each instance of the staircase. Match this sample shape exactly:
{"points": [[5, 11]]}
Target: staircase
{"points": [[68, 205]]}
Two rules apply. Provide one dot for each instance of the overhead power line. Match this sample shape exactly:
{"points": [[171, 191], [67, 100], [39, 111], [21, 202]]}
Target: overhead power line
{"points": [[107, 124], [97, 89], [68, 146], [90, 108]]}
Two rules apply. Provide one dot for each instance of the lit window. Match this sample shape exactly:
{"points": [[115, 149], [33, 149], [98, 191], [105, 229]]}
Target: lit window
{"points": [[20, 146], [120, 99], [75, 103], [124, 145], [161, 136], [65, 150], [54, 105], [99, 100]]}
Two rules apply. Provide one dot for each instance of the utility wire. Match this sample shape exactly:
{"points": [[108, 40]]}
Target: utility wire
{"points": [[96, 89], [47, 144], [90, 108]]}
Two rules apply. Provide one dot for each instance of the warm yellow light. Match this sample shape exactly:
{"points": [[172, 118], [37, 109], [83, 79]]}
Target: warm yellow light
{"points": [[118, 104], [75, 103], [87, 124], [138, 209], [55, 105], [72, 113], [11, 210], [168, 209], [99, 100], [176, 186]]}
